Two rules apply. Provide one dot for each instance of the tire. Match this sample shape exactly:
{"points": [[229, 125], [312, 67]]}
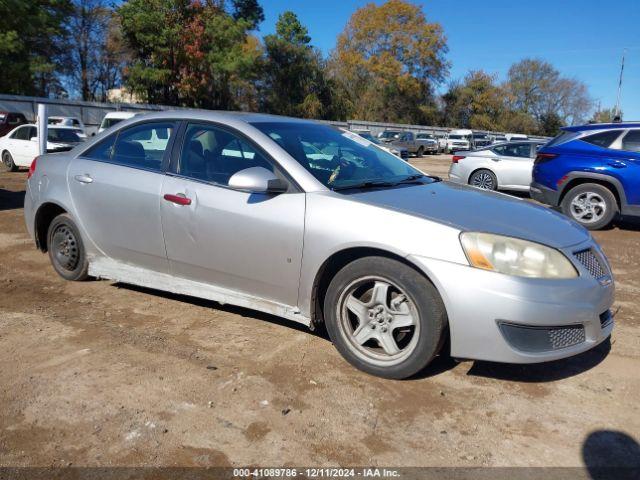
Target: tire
{"points": [[66, 250], [396, 340], [591, 205], [484, 179], [419, 152], [7, 161]]}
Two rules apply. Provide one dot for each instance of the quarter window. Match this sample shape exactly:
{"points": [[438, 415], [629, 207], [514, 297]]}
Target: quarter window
{"points": [[631, 141], [143, 146], [602, 139], [214, 155]]}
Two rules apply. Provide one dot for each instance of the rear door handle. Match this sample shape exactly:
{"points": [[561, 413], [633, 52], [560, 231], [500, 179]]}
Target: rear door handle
{"points": [[178, 199], [86, 178]]}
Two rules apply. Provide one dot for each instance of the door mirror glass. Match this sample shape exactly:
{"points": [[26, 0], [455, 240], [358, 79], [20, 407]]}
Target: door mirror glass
{"points": [[257, 180]]}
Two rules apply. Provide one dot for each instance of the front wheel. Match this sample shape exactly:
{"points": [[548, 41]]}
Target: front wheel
{"points": [[7, 161], [66, 250], [592, 205], [419, 152], [384, 317]]}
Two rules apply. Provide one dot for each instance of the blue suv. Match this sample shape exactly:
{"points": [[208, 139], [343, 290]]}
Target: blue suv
{"points": [[592, 172]]}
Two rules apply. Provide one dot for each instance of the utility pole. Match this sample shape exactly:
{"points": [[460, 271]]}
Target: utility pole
{"points": [[618, 113]]}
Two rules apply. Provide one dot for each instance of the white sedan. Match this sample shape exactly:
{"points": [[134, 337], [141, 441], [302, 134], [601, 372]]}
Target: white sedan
{"points": [[503, 166], [20, 146]]}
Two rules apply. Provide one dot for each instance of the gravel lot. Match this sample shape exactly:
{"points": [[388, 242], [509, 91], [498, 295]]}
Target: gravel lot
{"points": [[98, 373]]}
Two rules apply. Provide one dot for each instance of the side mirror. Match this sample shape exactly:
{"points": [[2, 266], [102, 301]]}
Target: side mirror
{"points": [[257, 180]]}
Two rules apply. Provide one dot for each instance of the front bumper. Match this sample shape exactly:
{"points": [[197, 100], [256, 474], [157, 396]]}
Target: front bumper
{"points": [[545, 195], [501, 318]]}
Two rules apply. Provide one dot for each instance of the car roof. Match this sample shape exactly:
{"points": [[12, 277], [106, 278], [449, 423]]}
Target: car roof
{"points": [[219, 116], [49, 127], [601, 126]]}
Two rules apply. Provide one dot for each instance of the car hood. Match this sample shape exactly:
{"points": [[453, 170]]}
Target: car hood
{"points": [[472, 209]]}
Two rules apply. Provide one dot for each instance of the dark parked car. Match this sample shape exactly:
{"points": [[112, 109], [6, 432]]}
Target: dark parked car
{"points": [[9, 121], [592, 172]]}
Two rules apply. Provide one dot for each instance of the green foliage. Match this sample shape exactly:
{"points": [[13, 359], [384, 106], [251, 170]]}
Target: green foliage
{"points": [[476, 103], [32, 43], [248, 10]]}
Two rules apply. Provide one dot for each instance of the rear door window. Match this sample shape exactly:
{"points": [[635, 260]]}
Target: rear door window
{"points": [[602, 139], [631, 141], [142, 146], [514, 150]]}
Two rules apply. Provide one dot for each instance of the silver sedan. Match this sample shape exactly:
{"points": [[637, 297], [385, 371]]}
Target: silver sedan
{"points": [[503, 166], [232, 207]]}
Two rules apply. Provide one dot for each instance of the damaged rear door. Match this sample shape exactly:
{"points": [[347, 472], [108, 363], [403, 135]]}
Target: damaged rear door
{"points": [[246, 242]]}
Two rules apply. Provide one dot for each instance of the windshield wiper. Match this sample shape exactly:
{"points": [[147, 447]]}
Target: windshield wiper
{"points": [[367, 184]]}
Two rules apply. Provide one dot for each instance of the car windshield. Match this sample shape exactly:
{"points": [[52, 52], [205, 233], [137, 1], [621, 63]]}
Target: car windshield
{"points": [[389, 134], [457, 137], [480, 136], [425, 136], [110, 122], [62, 135], [347, 159]]}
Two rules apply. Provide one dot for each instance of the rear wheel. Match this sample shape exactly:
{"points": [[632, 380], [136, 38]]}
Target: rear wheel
{"points": [[484, 179], [7, 161], [592, 205], [419, 152], [384, 317], [66, 250]]}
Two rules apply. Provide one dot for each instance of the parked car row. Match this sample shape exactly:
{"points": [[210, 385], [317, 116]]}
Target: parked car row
{"points": [[443, 142], [321, 226], [11, 120], [590, 172]]}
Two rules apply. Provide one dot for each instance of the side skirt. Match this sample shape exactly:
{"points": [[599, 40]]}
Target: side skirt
{"points": [[110, 269]]}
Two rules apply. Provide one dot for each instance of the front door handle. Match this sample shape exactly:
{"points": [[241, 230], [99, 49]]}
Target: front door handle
{"points": [[178, 199], [86, 178]]}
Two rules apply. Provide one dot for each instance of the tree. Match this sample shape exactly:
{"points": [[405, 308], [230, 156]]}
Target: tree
{"points": [[88, 28], [32, 43], [220, 60], [295, 80], [388, 59], [535, 87], [249, 10], [476, 103], [605, 115]]}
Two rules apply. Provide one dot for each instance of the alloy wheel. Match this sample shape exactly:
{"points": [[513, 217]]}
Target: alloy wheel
{"points": [[483, 180], [588, 207], [379, 321]]}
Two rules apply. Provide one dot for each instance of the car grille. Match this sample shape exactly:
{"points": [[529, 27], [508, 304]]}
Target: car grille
{"points": [[566, 337], [592, 263]]}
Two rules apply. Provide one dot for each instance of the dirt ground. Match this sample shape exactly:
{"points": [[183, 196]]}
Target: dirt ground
{"points": [[98, 373]]}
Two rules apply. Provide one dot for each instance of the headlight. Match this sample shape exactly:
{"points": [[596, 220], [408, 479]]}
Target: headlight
{"points": [[513, 256]]}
